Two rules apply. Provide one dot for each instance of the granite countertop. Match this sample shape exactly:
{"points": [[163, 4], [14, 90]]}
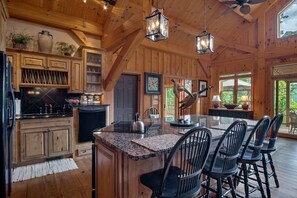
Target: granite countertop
{"points": [[125, 141], [43, 115]]}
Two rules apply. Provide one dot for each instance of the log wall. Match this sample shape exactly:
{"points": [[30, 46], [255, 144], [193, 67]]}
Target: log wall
{"points": [[170, 65]]}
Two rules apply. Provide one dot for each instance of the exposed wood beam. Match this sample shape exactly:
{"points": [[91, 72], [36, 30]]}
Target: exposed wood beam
{"points": [[132, 43], [184, 27], [244, 48], [117, 16], [237, 33], [280, 52], [168, 47], [118, 36], [82, 37], [264, 7], [204, 69], [28, 12]]}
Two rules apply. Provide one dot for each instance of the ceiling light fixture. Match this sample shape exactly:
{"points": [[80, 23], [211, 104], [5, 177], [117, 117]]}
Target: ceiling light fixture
{"points": [[105, 6], [84, 1], [204, 41], [157, 26]]}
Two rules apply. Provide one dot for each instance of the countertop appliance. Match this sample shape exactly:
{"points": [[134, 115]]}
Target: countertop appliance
{"points": [[7, 102]]}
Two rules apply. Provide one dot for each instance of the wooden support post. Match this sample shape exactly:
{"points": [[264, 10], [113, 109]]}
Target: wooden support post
{"points": [[260, 73], [122, 59]]}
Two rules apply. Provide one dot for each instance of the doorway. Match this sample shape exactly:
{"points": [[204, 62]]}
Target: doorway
{"points": [[169, 106], [126, 98], [285, 102]]}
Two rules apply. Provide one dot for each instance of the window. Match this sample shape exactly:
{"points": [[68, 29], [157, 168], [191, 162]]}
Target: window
{"points": [[287, 20], [233, 86]]}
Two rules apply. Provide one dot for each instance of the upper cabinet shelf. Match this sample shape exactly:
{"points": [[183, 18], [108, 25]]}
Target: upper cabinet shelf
{"points": [[34, 69]]}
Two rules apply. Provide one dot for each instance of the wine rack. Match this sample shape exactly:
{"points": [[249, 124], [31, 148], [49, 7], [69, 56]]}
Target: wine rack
{"points": [[44, 77]]}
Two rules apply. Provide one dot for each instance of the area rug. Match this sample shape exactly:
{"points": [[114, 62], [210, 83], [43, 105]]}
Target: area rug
{"points": [[46, 168]]}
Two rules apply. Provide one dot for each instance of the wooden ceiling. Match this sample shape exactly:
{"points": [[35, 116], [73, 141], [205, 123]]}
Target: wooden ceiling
{"points": [[185, 18]]}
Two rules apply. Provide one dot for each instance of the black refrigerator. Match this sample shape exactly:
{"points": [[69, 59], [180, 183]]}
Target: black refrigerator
{"points": [[7, 116]]}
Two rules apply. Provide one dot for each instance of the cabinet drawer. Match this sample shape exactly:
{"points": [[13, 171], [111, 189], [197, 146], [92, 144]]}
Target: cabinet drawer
{"points": [[57, 64], [84, 151], [33, 62], [46, 122]]}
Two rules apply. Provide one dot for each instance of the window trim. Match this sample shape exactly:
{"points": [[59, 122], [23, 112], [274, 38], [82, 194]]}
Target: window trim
{"points": [[278, 22], [237, 76]]}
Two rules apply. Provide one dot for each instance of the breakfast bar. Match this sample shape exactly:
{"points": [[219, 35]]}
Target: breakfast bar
{"points": [[121, 155]]}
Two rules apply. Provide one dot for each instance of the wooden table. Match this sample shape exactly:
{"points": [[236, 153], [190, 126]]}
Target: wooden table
{"points": [[118, 161]]}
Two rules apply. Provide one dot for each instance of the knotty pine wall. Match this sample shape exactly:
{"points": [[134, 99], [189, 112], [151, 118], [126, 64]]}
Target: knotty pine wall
{"points": [[271, 51], [170, 65]]}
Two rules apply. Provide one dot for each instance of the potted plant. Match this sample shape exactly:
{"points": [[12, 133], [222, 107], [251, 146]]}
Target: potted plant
{"points": [[20, 40], [65, 48]]}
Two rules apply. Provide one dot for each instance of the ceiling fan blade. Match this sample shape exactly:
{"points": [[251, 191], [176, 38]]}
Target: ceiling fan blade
{"points": [[255, 1], [229, 2], [228, 10], [245, 9]]}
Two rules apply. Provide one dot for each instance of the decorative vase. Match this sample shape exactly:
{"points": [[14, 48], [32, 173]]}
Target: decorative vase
{"points": [[45, 41]]}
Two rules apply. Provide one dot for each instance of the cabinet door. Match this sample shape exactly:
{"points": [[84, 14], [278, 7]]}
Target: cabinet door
{"points": [[33, 61], [13, 57], [60, 141], [15, 144], [57, 64], [77, 73], [33, 144]]}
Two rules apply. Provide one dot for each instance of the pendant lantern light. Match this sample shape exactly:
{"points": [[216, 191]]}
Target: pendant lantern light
{"points": [[204, 41], [157, 26]]}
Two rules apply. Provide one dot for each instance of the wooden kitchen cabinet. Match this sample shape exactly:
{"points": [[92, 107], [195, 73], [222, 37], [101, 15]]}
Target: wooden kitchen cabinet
{"points": [[13, 57], [31, 61], [45, 138], [33, 144], [15, 143], [36, 69], [93, 61], [60, 141], [58, 64], [76, 73]]}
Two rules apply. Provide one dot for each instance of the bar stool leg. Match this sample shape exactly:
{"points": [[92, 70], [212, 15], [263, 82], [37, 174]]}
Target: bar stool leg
{"points": [[273, 170], [246, 182], [219, 188], [259, 180], [264, 163], [232, 187]]}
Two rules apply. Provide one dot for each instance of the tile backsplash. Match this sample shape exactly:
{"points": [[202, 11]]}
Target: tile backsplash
{"points": [[35, 100]]}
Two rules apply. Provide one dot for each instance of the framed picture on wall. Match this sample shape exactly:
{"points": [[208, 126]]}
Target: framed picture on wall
{"points": [[202, 84], [152, 83]]}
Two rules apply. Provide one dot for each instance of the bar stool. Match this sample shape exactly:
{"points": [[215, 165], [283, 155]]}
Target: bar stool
{"points": [[250, 154], [183, 179], [221, 164], [269, 147]]}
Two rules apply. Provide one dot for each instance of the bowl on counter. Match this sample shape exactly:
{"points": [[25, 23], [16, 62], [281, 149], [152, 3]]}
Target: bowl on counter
{"points": [[230, 106]]}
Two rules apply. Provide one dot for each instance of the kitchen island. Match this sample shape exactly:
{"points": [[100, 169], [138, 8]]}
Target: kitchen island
{"points": [[121, 156]]}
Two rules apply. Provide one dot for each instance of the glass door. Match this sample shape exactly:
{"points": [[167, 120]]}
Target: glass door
{"points": [[169, 106], [285, 101]]}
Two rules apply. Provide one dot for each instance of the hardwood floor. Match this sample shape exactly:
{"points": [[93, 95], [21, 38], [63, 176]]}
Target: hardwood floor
{"points": [[77, 183]]}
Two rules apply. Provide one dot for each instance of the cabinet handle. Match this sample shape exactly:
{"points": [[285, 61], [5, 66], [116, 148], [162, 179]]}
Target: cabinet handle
{"points": [[48, 130]]}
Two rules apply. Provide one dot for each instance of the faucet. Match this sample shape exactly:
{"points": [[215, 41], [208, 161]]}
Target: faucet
{"points": [[51, 108], [45, 108]]}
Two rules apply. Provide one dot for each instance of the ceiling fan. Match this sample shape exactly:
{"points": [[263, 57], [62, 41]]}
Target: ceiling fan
{"points": [[244, 5]]}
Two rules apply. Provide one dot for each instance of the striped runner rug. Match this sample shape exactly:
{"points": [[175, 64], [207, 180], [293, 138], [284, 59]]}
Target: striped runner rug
{"points": [[46, 168]]}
